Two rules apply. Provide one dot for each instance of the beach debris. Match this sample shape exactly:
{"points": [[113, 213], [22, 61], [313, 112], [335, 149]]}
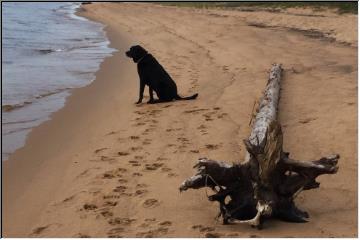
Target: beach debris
{"points": [[266, 183]]}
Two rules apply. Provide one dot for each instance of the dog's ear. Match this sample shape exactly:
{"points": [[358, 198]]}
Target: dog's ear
{"points": [[136, 52], [140, 49]]}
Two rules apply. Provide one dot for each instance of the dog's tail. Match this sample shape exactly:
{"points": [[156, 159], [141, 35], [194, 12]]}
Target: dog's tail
{"points": [[186, 98]]}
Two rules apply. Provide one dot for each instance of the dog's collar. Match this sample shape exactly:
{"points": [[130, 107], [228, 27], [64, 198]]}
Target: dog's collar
{"points": [[141, 58]]}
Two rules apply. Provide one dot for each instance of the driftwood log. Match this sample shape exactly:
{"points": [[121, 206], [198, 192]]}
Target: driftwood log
{"points": [[266, 183]]}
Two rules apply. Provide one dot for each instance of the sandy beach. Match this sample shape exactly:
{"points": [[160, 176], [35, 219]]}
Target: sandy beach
{"points": [[105, 167]]}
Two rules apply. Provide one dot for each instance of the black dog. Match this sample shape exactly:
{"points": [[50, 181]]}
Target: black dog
{"points": [[151, 73]]}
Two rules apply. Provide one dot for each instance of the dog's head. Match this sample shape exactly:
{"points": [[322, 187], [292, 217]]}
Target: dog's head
{"points": [[136, 53]]}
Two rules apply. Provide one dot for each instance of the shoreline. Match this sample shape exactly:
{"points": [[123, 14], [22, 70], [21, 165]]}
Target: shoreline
{"points": [[105, 167], [22, 169], [27, 107]]}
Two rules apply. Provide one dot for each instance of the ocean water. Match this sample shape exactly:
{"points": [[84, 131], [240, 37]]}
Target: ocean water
{"points": [[47, 51]]}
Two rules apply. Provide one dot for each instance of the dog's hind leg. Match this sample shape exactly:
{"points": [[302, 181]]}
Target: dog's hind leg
{"points": [[158, 101], [151, 94]]}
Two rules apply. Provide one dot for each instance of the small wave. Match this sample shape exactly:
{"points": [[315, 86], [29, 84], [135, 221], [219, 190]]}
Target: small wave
{"points": [[20, 122], [82, 72], [51, 93], [18, 21], [49, 50], [80, 47], [11, 107], [17, 130], [75, 39]]}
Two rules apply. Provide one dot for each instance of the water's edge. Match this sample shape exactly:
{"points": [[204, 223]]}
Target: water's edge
{"points": [[56, 100]]}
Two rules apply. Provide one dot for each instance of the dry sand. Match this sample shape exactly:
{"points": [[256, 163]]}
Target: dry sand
{"points": [[103, 166]]}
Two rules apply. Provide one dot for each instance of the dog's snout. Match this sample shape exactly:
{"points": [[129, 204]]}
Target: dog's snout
{"points": [[127, 53]]}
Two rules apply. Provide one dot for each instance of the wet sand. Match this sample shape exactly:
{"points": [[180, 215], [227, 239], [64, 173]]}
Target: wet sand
{"points": [[103, 166]]}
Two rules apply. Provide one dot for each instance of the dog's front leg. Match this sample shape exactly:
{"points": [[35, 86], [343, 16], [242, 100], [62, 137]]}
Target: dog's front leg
{"points": [[141, 93], [151, 94]]}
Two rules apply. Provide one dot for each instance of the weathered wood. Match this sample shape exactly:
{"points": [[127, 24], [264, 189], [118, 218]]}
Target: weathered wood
{"points": [[267, 182], [267, 111]]}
